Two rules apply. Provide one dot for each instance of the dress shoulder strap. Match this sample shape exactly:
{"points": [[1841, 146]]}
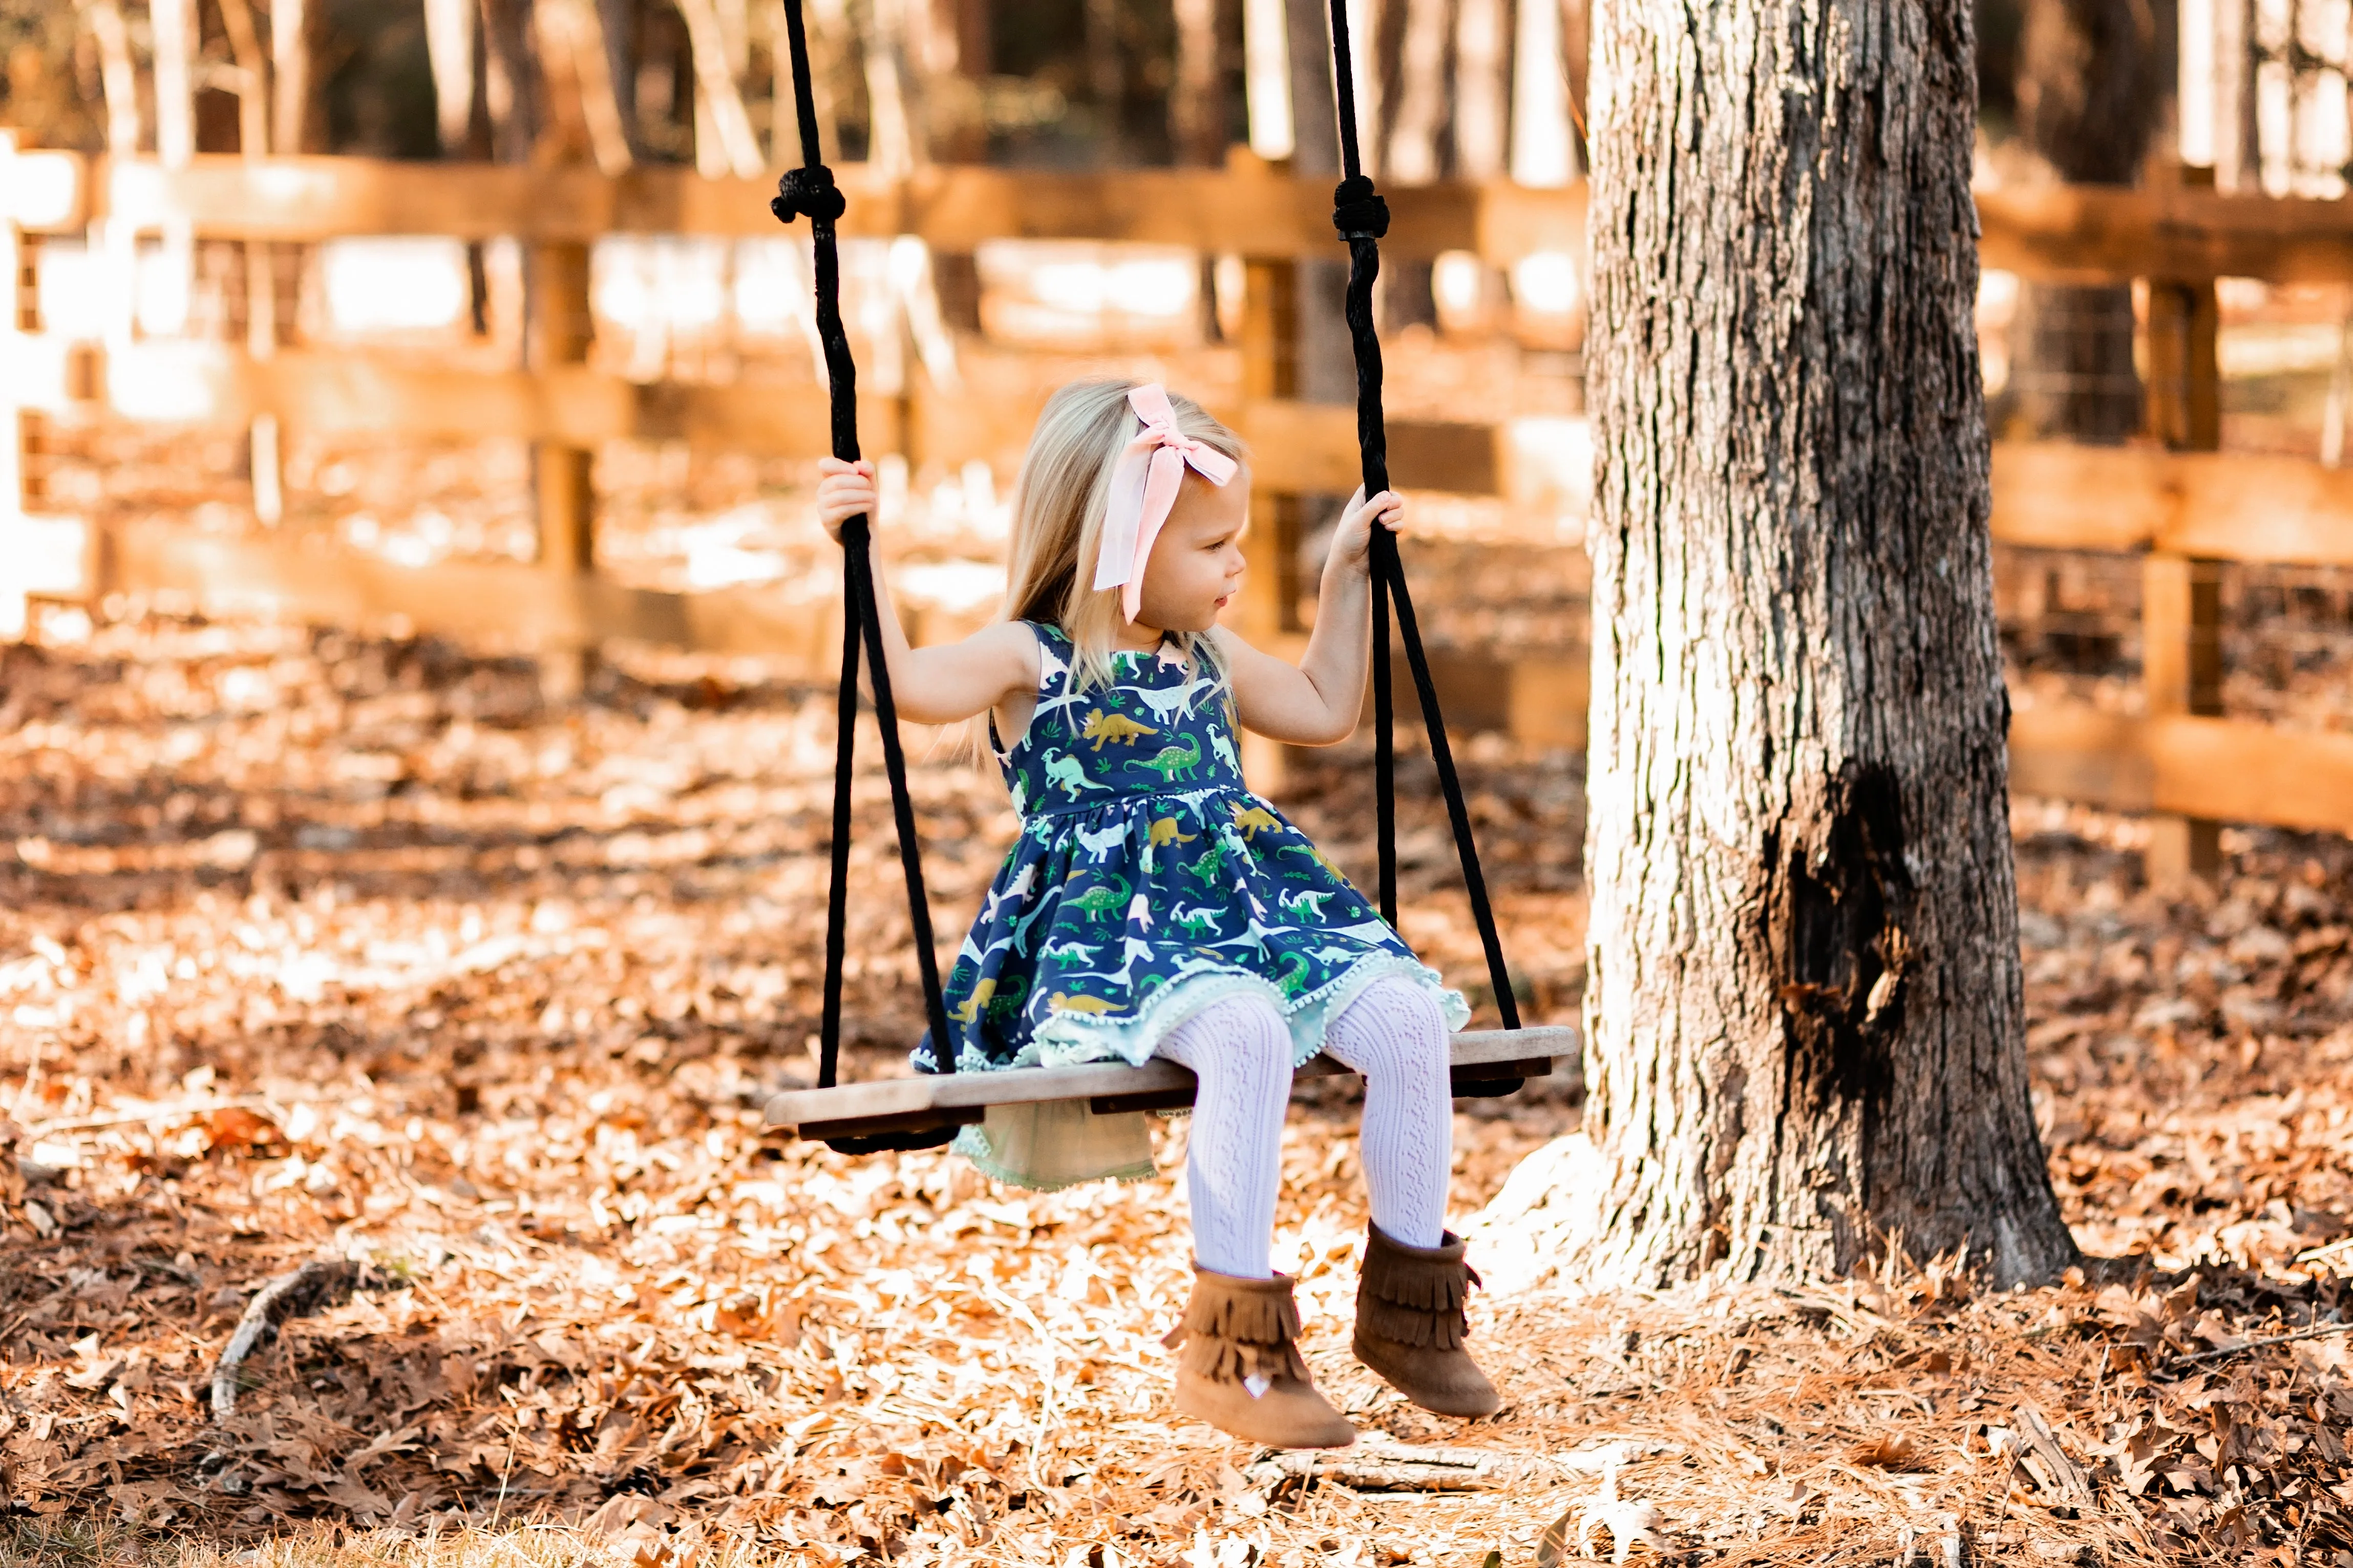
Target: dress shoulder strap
{"points": [[1208, 660], [1053, 654]]}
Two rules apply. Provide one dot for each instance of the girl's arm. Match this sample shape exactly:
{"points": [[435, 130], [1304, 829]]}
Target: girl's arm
{"points": [[942, 685], [1318, 701]]}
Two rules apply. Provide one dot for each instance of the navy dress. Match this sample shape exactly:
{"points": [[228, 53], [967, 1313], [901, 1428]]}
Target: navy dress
{"points": [[1148, 882]]}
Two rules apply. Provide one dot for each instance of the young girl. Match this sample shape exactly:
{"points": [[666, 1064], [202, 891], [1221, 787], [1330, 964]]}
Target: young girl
{"points": [[1154, 905]]}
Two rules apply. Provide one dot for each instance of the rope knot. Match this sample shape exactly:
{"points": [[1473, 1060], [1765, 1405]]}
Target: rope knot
{"points": [[1357, 210], [808, 193]]}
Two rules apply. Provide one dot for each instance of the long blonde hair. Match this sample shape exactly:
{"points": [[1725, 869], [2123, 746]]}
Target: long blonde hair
{"points": [[1059, 503]]}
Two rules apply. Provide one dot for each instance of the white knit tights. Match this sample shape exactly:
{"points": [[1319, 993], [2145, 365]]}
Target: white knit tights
{"points": [[1240, 1051], [1394, 1034]]}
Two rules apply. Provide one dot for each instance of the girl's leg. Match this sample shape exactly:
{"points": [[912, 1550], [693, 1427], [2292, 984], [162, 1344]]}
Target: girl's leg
{"points": [[1240, 1050], [1394, 1034]]}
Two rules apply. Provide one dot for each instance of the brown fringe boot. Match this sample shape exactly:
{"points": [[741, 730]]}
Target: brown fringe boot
{"points": [[1237, 1333], [1411, 1324]]}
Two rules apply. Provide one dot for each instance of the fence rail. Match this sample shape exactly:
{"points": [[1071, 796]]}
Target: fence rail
{"points": [[2179, 510], [1246, 209], [2060, 233]]}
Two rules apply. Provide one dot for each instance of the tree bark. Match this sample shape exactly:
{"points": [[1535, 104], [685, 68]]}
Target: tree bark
{"points": [[1804, 1008], [450, 30], [1544, 153], [172, 26], [1327, 361], [2092, 79], [298, 109], [1420, 115], [1482, 98], [512, 87], [1196, 105], [119, 77]]}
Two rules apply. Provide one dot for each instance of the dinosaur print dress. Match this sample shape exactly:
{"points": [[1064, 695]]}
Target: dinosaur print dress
{"points": [[1148, 881]]}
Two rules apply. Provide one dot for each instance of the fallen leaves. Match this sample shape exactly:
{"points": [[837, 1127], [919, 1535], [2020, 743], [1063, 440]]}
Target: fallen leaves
{"points": [[238, 1131], [492, 1003], [1892, 1451], [1629, 1522]]}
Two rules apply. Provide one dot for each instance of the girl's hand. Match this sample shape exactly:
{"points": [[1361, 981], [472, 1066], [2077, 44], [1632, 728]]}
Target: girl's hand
{"points": [[846, 489], [1352, 540]]}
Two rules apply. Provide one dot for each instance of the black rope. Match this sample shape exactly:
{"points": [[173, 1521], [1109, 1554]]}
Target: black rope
{"points": [[837, 891], [902, 813], [1362, 218], [1384, 747], [810, 192], [804, 105]]}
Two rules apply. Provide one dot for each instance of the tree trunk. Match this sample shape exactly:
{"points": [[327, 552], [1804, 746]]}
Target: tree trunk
{"points": [[1543, 149], [450, 30], [117, 76], [1420, 112], [512, 88], [1804, 1007], [172, 26], [2091, 79], [724, 139], [1266, 78], [1327, 361], [298, 109], [1481, 100], [1107, 76]]}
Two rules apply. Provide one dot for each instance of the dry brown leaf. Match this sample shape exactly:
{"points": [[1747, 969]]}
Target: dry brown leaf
{"points": [[240, 1130], [1888, 1451]]}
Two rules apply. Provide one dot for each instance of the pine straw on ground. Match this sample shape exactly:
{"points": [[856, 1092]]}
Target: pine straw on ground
{"points": [[315, 946]]}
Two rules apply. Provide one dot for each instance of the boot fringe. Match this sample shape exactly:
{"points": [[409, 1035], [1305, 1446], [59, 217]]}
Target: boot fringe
{"points": [[1419, 1287], [1418, 1327], [1262, 1317], [1416, 1295], [1234, 1334], [1239, 1361]]}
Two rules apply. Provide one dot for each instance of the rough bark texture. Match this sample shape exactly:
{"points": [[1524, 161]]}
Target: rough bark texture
{"points": [[1804, 1008]]}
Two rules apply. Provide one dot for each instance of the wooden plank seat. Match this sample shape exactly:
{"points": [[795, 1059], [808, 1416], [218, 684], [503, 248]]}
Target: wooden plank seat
{"points": [[1487, 1062]]}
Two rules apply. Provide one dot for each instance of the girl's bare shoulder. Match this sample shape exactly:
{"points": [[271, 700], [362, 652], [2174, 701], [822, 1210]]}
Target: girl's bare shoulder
{"points": [[1010, 647], [1233, 650], [1224, 641]]}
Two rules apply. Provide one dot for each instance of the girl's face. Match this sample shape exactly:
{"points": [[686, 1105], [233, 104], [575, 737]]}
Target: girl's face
{"points": [[1195, 565]]}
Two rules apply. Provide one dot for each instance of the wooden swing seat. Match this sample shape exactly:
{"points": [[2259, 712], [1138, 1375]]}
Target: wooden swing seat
{"points": [[1487, 1062]]}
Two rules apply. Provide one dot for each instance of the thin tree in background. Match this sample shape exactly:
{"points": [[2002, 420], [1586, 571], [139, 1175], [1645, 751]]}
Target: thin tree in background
{"points": [[1420, 115], [298, 113], [1196, 105], [1481, 96], [2092, 79], [117, 76], [718, 41], [450, 30]]}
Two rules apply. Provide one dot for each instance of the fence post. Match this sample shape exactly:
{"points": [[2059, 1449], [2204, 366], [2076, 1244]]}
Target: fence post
{"points": [[558, 332], [2181, 655], [1270, 606]]}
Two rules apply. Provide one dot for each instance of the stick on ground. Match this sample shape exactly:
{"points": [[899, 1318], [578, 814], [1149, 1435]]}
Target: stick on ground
{"points": [[2323, 1332], [305, 1290]]}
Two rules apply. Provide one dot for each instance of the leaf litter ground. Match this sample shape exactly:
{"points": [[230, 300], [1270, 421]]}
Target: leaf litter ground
{"points": [[318, 946]]}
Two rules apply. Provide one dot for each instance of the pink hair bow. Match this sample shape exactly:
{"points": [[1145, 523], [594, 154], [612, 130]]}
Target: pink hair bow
{"points": [[1143, 489]]}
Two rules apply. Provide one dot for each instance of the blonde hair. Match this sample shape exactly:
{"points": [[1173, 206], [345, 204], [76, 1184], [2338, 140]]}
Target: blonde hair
{"points": [[1059, 503]]}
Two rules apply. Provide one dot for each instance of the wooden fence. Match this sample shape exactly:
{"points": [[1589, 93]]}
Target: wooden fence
{"points": [[2182, 510]]}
